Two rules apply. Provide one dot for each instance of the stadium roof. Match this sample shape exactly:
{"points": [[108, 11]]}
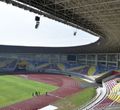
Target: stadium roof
{"points": [[99, 17]]}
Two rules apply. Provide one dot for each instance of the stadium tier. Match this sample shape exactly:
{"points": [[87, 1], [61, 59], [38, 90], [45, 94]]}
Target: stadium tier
{"points": [[33, 63], [115, 93], [112, 97], [7, 64]]}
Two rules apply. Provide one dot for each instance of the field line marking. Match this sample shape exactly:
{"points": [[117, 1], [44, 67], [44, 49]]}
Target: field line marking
{"points": [[55, 96]]}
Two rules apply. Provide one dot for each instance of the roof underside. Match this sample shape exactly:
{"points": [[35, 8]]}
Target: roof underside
{"points": [[99, 17]]}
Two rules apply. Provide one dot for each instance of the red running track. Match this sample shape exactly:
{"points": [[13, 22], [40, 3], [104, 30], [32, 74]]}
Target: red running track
{"points": [[67, 85]]}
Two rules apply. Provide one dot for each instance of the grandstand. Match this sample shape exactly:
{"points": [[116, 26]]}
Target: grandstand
{"points": [[61, 65], [96, 62]]}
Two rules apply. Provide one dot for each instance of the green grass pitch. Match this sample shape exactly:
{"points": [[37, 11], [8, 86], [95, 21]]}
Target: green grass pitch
{"points": [[77, 100], [15, 89]]}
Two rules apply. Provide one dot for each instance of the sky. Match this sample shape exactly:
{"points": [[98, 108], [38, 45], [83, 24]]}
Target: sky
{"points": [[17, 27]]}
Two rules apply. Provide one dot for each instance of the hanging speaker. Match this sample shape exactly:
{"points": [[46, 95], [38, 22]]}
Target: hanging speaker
{"points": [[37, 18]]}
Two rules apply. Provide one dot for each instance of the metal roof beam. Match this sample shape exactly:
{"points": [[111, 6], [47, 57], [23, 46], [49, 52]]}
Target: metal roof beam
{"points": [[69, 7]]}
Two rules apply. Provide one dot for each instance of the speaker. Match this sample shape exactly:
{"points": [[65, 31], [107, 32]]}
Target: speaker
{"points": [[37, 18]]}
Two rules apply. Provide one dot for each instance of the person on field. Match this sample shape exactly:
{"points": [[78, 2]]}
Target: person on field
{"points": [[46, 93]]}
